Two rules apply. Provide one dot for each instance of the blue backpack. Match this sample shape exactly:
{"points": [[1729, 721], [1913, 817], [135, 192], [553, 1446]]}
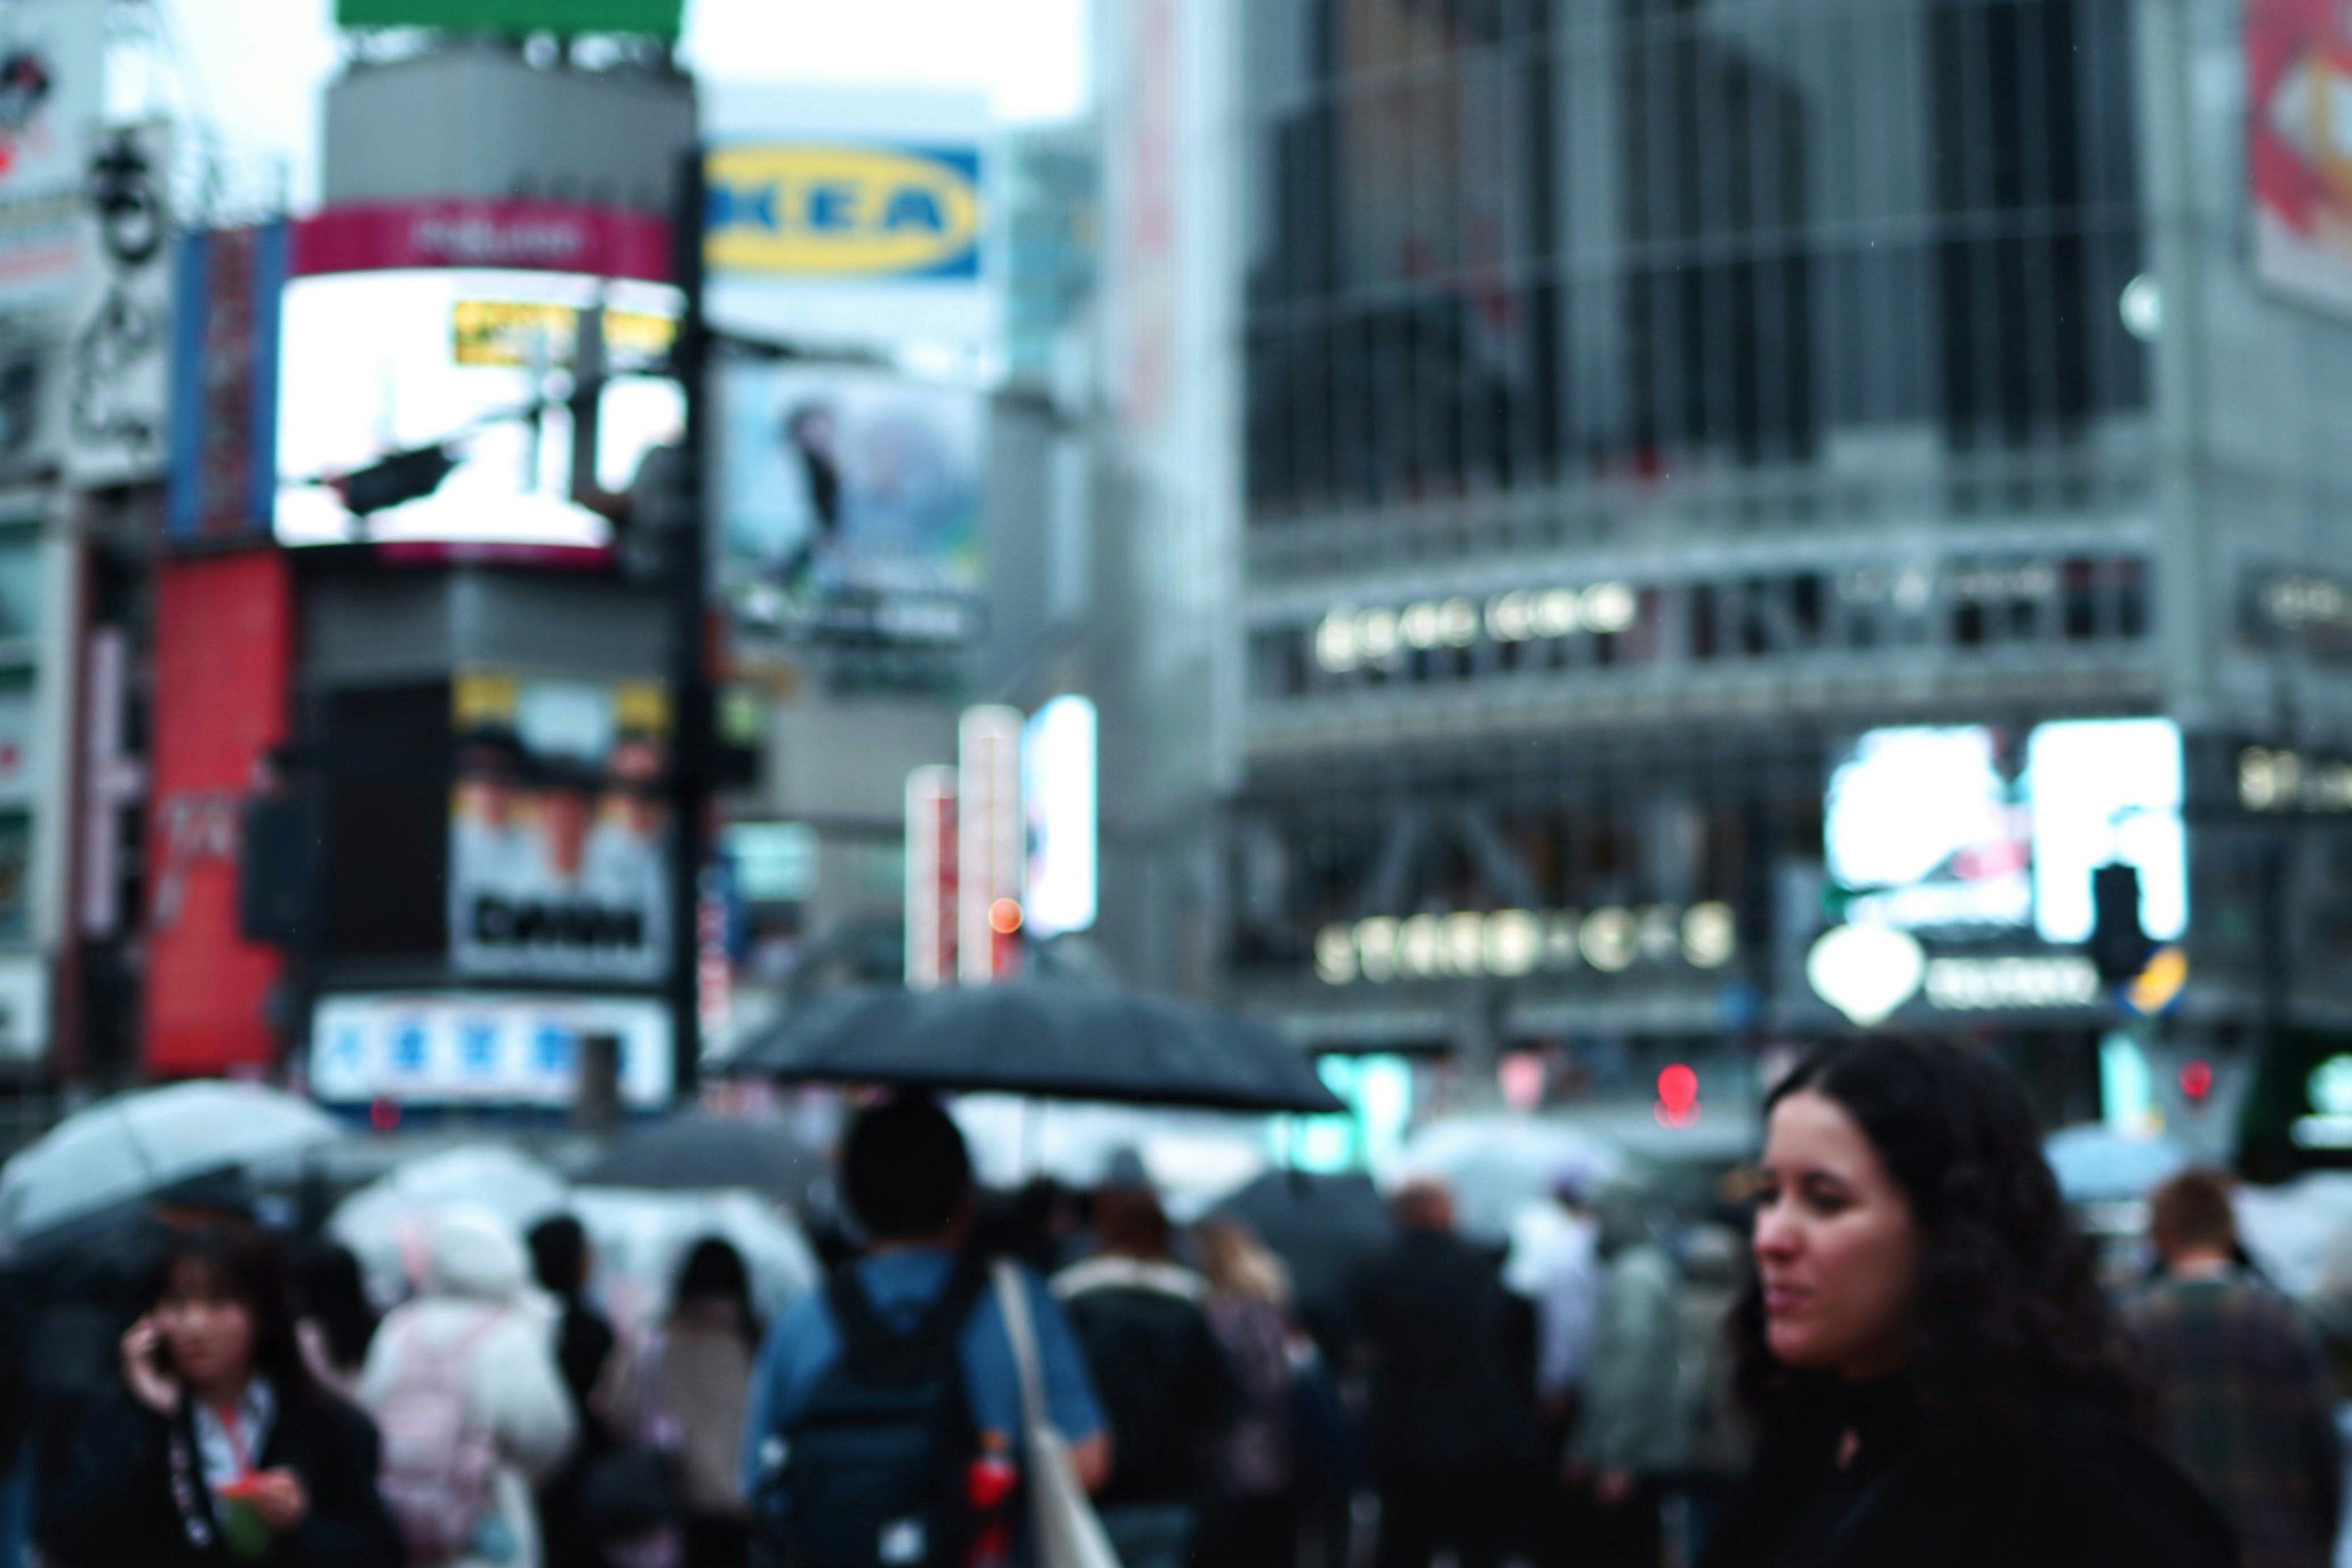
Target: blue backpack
{"points": [[873, 1472]]}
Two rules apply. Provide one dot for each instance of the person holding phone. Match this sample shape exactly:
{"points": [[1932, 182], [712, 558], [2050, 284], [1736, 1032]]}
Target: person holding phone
{"points": [[219, 1448]]}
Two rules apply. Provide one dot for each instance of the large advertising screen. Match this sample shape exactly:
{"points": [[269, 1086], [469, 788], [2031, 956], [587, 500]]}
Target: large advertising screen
{"points": [[1928, 828], [559, 835], [2107, 791], [2299, 146], [477, 364], [1970, 831], [845, 486]]}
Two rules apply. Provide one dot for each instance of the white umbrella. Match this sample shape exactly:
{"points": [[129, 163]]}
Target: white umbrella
{"points": [[642, 1238], [2096, 1164], [143, 1142], [384, 1223]]}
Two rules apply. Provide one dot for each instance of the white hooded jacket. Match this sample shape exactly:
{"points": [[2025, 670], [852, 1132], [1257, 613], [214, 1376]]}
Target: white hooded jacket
{"points": [[477, 1282]]}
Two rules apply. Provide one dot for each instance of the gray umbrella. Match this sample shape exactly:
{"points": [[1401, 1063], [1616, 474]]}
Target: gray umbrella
{"points": [[697, 1152], [1057, 1041]]}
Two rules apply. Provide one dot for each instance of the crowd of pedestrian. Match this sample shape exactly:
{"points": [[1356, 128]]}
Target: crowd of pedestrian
{"points": [[1909, 1359]]}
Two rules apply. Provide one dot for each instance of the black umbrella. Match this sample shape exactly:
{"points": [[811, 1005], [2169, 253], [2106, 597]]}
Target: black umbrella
{"points": [[1320, 1225], [1058, 1041], [695, 1152]]}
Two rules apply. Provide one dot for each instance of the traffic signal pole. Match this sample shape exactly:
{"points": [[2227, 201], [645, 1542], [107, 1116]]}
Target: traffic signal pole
{"points": [[691, 747]]}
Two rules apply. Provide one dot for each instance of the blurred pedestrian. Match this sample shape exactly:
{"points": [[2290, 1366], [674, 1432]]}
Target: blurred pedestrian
{"points": [[703, 1376], [2242, 1391], [1940, 1382], [1630, 1432], [1554, 1265], [462, 1379], [1452, 1419], [587, 1352], [1142, 1321], [885, 1421], [1252, 1518], [338, 1321], [218, 1446]]}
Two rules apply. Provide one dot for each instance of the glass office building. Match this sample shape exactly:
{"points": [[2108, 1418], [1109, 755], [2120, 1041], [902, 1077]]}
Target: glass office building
{"points": [[1647, 402]]}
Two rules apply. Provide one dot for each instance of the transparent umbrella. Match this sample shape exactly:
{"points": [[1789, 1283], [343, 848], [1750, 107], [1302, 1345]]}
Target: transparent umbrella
{"points": [[144, 1141], [384, 1222]]}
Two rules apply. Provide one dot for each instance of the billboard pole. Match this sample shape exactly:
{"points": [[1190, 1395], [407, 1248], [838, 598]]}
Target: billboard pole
{"points": [[690, 752]]}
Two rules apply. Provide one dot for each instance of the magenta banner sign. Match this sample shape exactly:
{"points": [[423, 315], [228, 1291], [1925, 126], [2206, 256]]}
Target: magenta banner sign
{"points": [[538, 236]]}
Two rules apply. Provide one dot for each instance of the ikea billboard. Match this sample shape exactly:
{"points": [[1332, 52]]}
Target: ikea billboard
{"points": [[843, 211]]}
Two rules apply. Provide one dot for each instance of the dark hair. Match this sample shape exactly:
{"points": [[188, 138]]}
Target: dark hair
{"points": [[903, 1169], [714, 1270], [558, 1255], [246, 1266], [2009, 1317], [1129, 1220], [2192, 1209], [329, 1292]]}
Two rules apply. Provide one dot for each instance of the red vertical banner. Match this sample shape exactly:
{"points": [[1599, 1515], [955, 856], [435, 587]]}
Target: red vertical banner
{"points": [[930, 877], [224, 657]]}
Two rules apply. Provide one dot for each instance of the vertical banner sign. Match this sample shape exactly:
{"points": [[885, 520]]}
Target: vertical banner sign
{"points": [[2298, 155], [222, 474], [990, 863], [224, 651], [1058, 768], [52, 93], [930, 876], [118, 381]]}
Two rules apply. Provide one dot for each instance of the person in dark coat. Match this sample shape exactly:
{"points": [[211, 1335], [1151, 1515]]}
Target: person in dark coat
{"points": [[1452, 1420], [1939, 1381], [2243, 1396], [219, 1448], [563, 1260], [1142, 1321]]}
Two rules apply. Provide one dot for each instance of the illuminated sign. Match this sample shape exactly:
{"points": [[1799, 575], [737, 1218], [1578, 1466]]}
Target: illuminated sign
{"points": [[1350, 637], [2005, 984], [2329, 1091], [1057, 768], [843, 211], [1925, 831], [990, 827], [1869, 973], [1866, 972], [1512, 943], [464, 1047], [2285, 781]]}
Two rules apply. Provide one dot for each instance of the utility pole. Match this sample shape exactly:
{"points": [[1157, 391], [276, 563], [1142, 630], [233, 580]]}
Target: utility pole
{"points": [[689, 678]]}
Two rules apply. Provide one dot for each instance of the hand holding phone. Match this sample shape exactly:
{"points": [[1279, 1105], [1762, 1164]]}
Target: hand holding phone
{"points": [[143, 1373]]}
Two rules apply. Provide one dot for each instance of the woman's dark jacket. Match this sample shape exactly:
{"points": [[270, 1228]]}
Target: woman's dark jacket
{"points": [[2076, 1489], [134, 1492]]}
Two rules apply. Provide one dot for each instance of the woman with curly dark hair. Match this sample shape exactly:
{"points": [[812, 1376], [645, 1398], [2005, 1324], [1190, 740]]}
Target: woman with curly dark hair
{"points": [[1936, 1378]]}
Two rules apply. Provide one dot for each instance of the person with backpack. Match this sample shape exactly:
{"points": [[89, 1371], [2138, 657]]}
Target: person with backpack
{"points": [[217, 1447], [462, 1380], [886, 1411]]}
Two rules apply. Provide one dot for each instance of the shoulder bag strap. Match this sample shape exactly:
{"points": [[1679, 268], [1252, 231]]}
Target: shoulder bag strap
{"points": [[1013, 1301]]}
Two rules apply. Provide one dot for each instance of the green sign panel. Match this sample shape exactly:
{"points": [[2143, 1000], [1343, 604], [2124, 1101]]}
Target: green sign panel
{"points": [[659, 18]]}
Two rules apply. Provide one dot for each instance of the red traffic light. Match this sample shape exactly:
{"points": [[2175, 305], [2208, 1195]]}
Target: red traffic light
{"points": [[1677, 1096], [2196, 1082]]}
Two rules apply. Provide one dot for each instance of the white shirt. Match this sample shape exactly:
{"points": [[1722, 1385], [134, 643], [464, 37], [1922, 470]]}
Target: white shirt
{"points": [[230, 1451]]}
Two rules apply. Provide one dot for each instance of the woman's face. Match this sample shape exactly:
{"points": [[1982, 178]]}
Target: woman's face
{"points": [[1835, 1244], [208, 1332]]}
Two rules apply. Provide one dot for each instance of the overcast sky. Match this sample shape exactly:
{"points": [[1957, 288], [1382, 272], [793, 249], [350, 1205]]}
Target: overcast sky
{"points": [[259, 65]]}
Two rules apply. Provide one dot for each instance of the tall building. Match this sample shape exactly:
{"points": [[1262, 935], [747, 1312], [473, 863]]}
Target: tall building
{"points": [[1668, 422]]}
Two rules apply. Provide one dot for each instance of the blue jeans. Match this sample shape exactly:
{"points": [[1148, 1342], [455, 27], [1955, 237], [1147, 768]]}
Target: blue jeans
{"points": [[1152, 1535]]}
